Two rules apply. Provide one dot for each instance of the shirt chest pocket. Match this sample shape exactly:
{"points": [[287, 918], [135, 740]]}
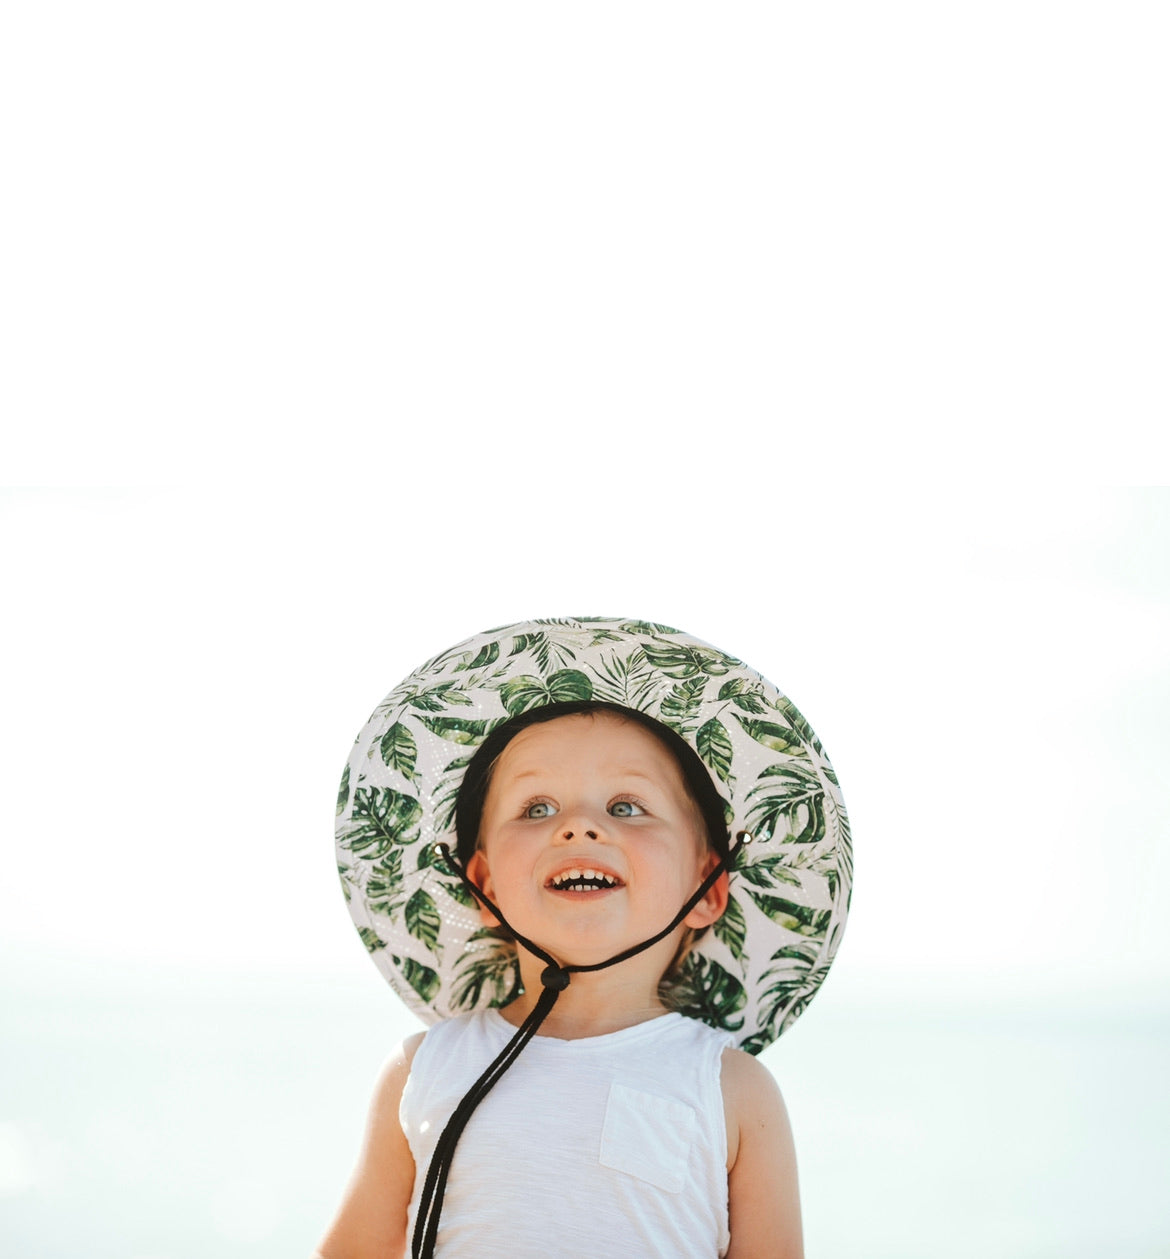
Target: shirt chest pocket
{"points": [[648, 1137]]}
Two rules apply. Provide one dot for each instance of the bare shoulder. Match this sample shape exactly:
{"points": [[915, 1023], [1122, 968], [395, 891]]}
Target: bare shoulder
{"points": [[371, 1221], [763, 1193], [393, 1076], [751, 1098]]}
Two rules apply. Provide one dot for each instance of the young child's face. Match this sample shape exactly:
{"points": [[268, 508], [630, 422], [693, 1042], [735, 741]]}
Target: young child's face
{"points": [[589, 841]]}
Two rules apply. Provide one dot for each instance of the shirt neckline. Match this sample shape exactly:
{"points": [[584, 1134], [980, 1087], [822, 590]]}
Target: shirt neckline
{"points": [[501, 1024]]}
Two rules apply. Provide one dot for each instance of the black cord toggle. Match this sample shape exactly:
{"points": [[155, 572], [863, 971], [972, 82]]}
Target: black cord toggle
{"points": [[555, 977]]}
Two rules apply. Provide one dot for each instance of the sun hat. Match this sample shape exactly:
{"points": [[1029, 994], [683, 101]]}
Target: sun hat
{"points": [[752, 973]]}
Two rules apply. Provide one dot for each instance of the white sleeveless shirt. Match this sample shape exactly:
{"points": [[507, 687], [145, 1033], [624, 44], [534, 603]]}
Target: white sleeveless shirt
{"points": [[611, 1145]]}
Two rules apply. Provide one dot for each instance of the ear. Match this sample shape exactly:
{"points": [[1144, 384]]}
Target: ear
{"points": [[480, 875], [711, 907]]}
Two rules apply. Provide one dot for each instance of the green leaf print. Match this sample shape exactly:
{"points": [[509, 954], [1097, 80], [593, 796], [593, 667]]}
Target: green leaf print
{"points": [[445, 805], [805, 819], [797, 778], [707, 992], [626, 680], [435, 698], [794, 805], [523, 693], [422, 979], [731, 929], [844, 848], [385, 883], [446, 795], [796, 719], [714, 744], [422, 920], [523, 642], [399, 750], [801, 919], [778, 738], [677, 660], [794, 983], [371, 939], [682, 702], [744, 694], [343, 792], [429, 859], [646, 627], [568, 685], [527, 692], [544, 648], [795, 959], [459, 730], [458, 892], [487, 654], [488, 966], [381, 818], [767, 872]]}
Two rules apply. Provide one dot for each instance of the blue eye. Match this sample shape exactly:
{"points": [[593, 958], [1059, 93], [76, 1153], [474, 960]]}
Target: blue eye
{"points": [[539, 809], [625, 808]]}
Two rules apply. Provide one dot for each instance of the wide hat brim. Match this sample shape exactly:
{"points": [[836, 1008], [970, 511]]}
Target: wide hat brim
{"points": [[752, 973]]}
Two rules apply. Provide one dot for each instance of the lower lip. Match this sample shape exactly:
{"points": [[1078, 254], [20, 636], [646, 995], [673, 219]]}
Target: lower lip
{"points": [[592, 894]]}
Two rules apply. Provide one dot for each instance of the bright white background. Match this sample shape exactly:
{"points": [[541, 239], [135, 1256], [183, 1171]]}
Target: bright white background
{"points": [[334, 334], [186, 670]]}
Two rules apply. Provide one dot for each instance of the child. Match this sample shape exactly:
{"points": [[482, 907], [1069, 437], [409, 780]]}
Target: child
{"points": [[609, 965]]}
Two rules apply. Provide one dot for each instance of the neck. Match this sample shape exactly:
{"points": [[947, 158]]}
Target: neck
{"points": [[595, 1002]]}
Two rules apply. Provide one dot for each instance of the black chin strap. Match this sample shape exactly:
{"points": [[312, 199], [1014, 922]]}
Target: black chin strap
{"points": [[554, 979]]}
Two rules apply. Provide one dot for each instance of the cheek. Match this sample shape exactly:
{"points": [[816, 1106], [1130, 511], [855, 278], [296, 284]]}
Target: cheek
{"points": [[497, 865]]}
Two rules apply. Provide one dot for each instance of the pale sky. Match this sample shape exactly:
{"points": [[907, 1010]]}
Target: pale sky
{"points": [[186, 669], [395, 323], [721, 254]]}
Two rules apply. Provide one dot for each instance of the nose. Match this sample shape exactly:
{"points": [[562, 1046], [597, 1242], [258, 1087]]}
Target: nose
{"points": [[581, 822]]}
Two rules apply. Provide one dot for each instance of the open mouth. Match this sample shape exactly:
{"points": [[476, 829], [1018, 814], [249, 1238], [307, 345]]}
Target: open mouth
{"points": [[583, 879]]}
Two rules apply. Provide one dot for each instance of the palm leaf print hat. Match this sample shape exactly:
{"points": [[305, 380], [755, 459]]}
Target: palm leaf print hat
{"points": [[752, 973]]}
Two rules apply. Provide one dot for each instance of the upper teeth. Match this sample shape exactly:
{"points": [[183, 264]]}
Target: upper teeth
{"points": [[572, 876]]}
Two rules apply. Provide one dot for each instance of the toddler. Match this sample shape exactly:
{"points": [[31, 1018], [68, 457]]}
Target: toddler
{"points": [[594, 948]]}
